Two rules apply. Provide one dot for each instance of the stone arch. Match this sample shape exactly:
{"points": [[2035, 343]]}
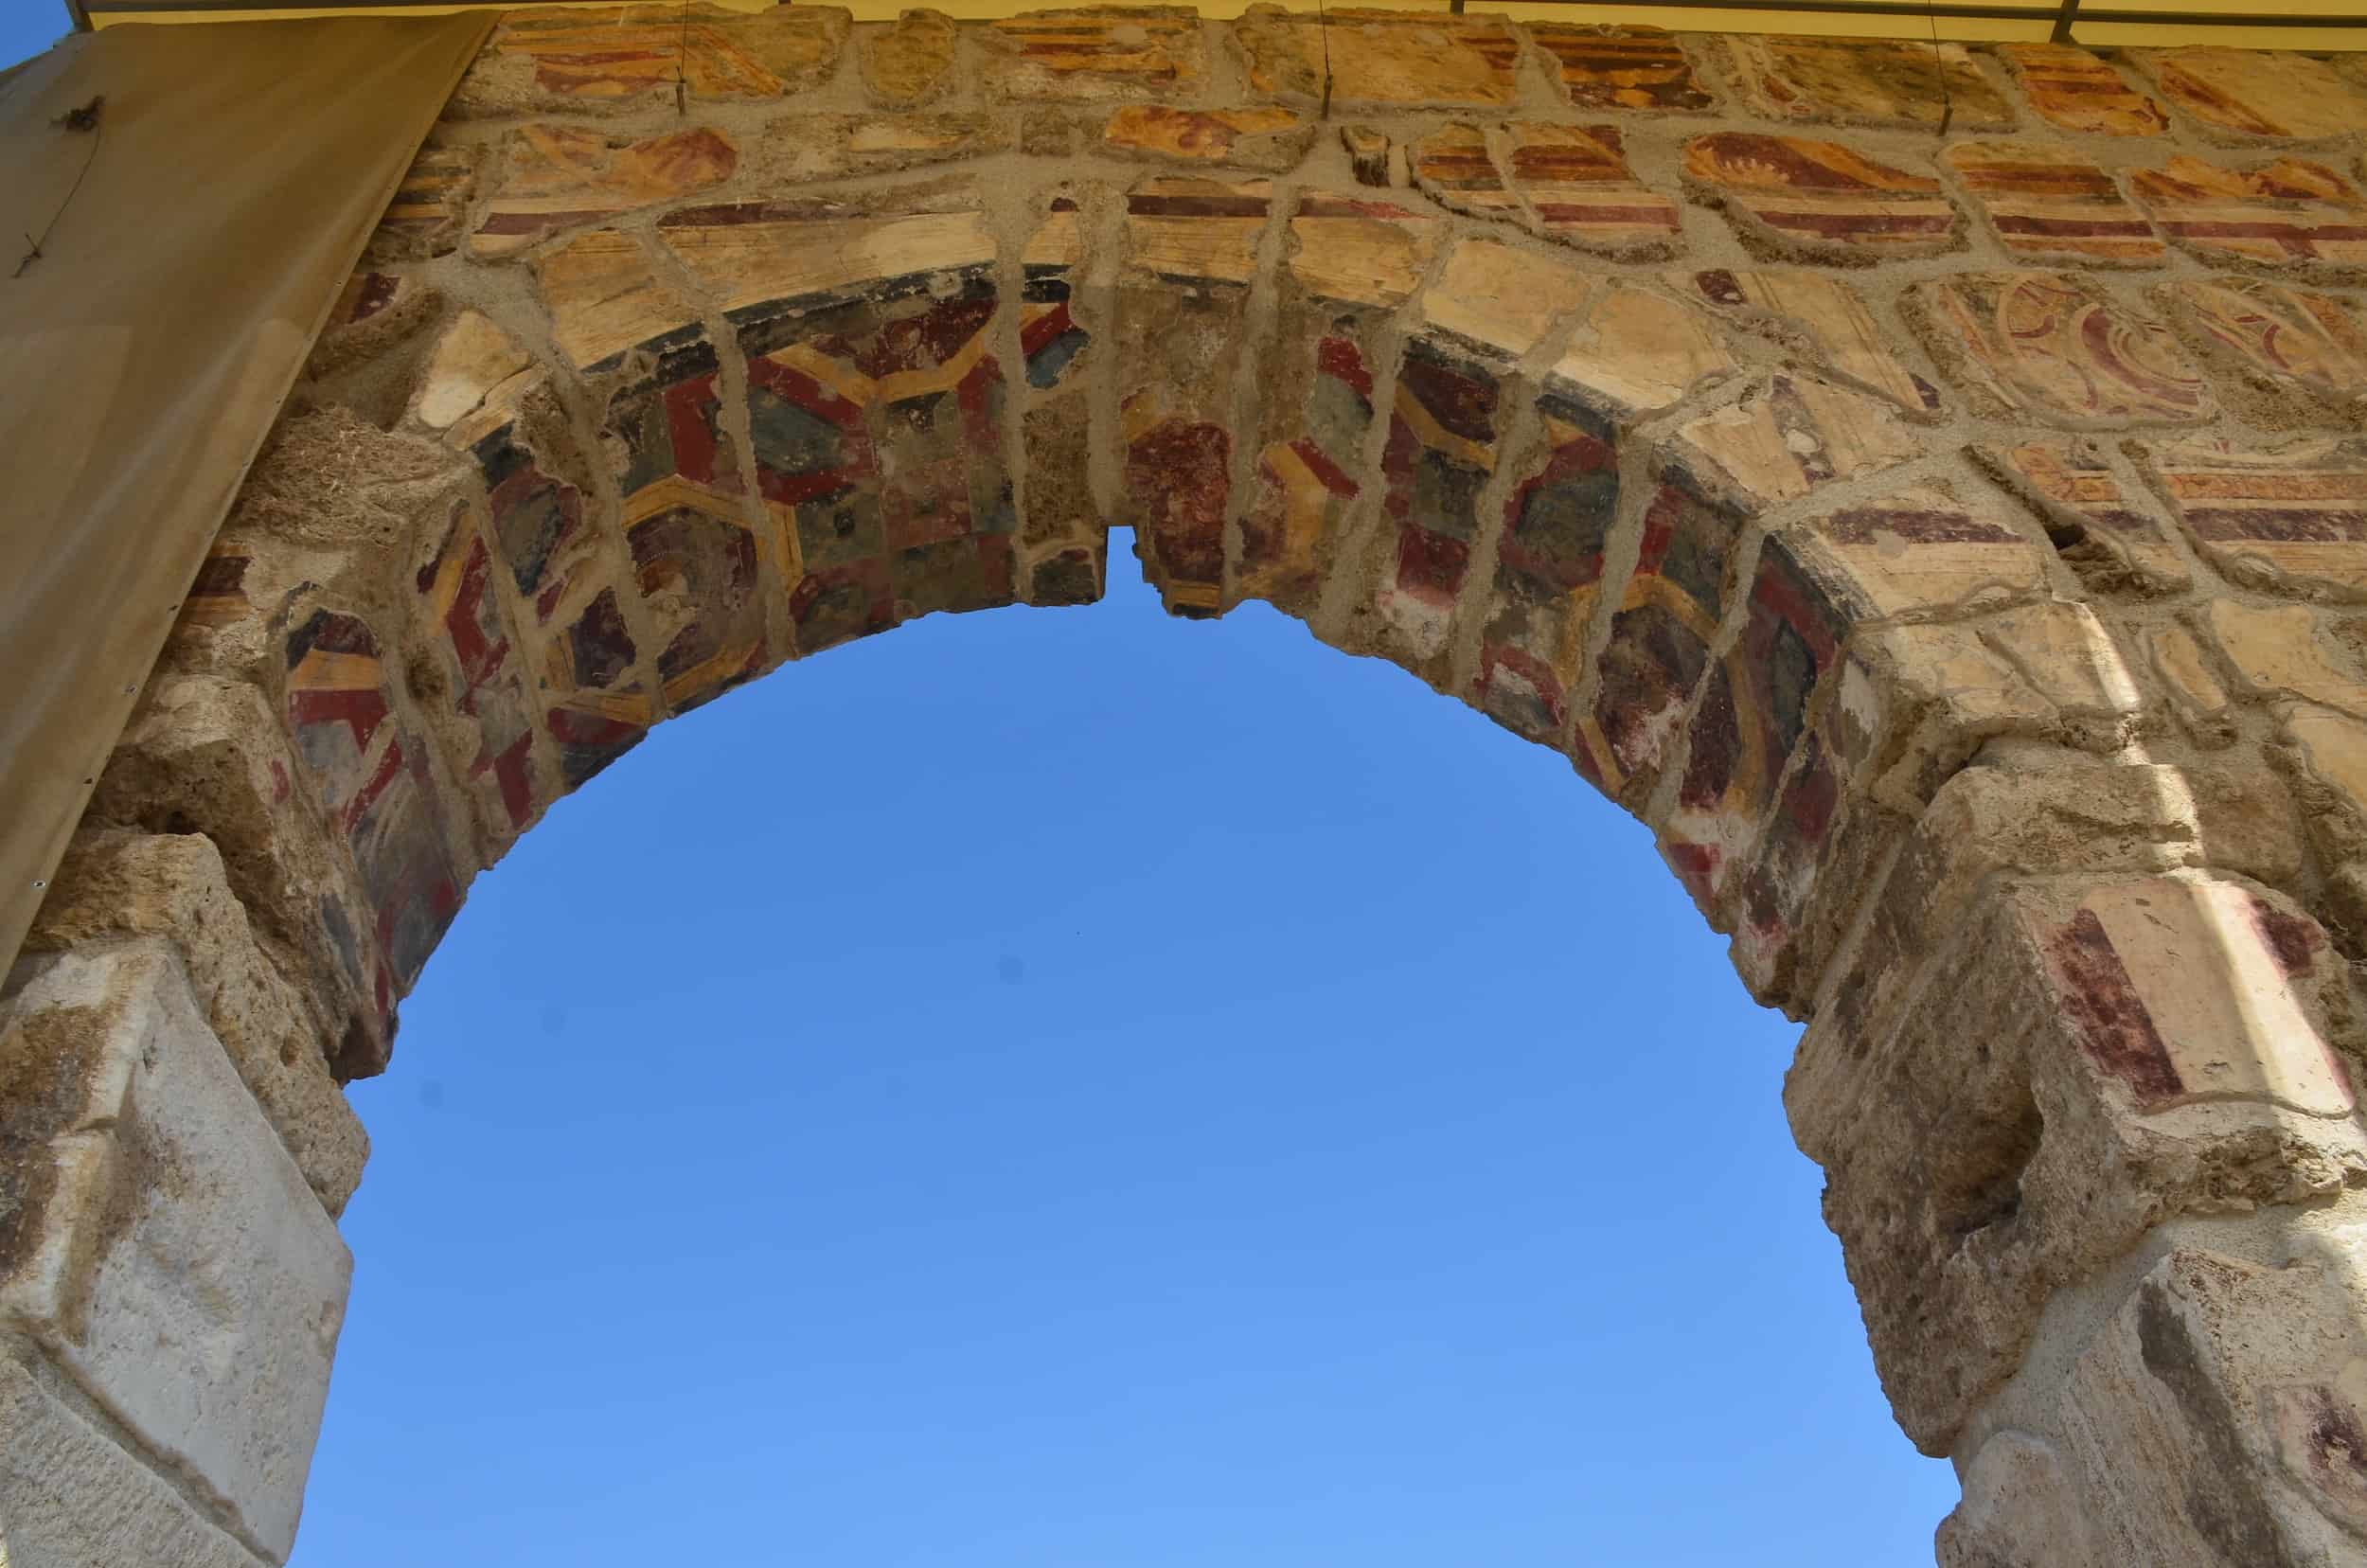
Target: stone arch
{"points": [[2020, 760]]}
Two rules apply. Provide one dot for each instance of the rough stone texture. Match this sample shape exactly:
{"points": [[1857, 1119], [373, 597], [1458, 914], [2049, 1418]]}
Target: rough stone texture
{"points": [[911, 63], [160, 1247], [71, 1498], [1950, 546]]}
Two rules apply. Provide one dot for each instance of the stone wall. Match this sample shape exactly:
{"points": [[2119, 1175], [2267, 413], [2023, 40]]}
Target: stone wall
{"points": [[1926, 483]]}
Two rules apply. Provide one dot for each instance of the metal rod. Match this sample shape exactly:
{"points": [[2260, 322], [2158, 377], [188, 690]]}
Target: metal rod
{"points": [[2063, 20], [1945, 9]]}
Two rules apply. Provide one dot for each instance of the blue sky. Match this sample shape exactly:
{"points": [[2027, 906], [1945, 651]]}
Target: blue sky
{"points": [[1081, 1090]]}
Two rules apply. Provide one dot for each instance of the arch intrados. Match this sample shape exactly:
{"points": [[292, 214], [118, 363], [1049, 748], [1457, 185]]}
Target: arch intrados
{"points": [[1948, 696]]}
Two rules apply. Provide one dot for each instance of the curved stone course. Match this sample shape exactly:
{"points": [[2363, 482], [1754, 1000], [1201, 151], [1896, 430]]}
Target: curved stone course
{"points": [[1953, 546]]}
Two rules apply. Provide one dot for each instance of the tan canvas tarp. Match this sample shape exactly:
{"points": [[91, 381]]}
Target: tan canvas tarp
{"points": [[239, 169]]}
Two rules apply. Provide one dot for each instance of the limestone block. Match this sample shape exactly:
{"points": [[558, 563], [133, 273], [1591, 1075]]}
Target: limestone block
{"points": [[557, 176], [2076, 91], [2107, 535], [1272, 140], [1062, 544], [912, 62], [2292, 213], [1919, 550], [476, 369], [1182, 350], [1379, 57], [1351, 261], [1637, 352], [2147, 1046], [1789, 197], [1782, 434], [2200, 701], [2221, 1416], [2297, 355], [2289, 519], [1621, 67], [1368, 154], [604, 296], [2326, 756], [798, 150], [1563, 182], [1822, 318], [2048, 202], [166, 1252], [2053, 347], [2284, 653], [1121, 52], [2022, 1507], [210, 756], [540, 61], [1504, 300], [2247, 96], [116, 885], [70, 1498], [1853, 82]]}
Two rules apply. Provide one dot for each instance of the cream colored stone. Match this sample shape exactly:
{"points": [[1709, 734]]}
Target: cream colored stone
{"points": [[912, 62], [2280, 653], [475, 366], [70, 1498], [116, 885], [2064, 652], [2179, 660], [1500, 297], [1638, 353], [173, 1262], [1785, 435]]}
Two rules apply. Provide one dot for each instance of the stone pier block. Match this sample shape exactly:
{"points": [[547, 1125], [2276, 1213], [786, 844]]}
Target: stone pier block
{"points": [[160, 1247]]}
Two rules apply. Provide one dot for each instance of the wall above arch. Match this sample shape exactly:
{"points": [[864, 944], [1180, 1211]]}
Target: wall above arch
{"points": [[1924, 483]]}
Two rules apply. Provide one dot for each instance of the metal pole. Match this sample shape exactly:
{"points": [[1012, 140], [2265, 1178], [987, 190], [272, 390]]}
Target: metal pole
{"points": [[2063, 20]]}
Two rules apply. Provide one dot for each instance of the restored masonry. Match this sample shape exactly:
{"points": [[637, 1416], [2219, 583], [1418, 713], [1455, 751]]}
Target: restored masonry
{"points": [[1927, 484]]}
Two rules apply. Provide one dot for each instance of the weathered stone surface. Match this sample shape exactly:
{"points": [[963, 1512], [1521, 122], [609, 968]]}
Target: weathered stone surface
{"points": [[2249, 96], [2324, 753], [1637, 352], [2298, 354], [912, 62], [1621, 67], [635, 56], [1270, 139], [2287, 213], [211, 752], [2109, 537], [2288, 651], [1504, 299], [2185, 670], [431, 205], [115, 884], [604, 296], [1829, 322], [1818, 199], [2053, 347], [2217, 1416], [2052, 203], [2175, 1029], [1783, 435], [2290, 519], [70, 1497], [1567, 183], [165, 1251], [1351, 262], [1368, 154], [563, 176], [1379, 57], [1063, 545], [1118, 52], [1916, 550], [475, 366], [800, 149], [2021, 1507], [1867, 83], [2077, 92]]}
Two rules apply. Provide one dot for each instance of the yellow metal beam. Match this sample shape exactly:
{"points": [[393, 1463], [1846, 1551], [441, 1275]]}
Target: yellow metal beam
{"points": [[2345, 28]]}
